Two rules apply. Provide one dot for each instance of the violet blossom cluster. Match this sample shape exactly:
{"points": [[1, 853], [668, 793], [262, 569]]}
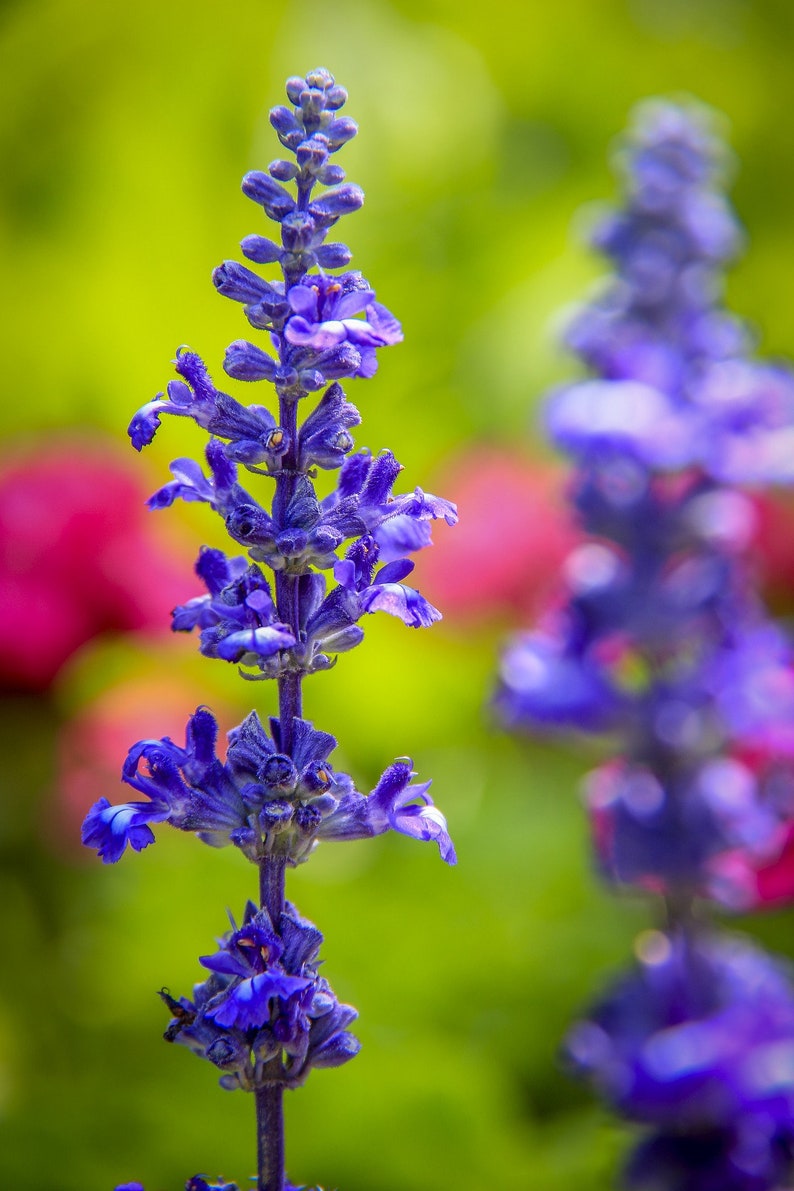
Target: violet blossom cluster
{"points": [[315, 567], [659, 643]]}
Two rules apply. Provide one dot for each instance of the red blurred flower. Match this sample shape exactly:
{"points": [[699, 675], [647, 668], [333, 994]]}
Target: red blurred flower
{"points": [[773, 548], [80, 555], [749, 883], [774, 882], [515, 530]]}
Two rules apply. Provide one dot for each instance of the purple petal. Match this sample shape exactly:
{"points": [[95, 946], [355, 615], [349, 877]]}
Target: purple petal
{"points": [[354, 302], [263, 641], [198, 611], [360, 333], [621, 413], [248, 1004], [426, 823], [145, 423], [384, 324], [391, 804], [403, 602], [401, 535], [110, 828], [345, 573], [369, 363], [304, 300], [321, 336]]}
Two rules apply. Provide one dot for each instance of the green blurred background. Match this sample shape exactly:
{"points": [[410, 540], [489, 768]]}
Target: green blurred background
{"points": [[484, 129]]}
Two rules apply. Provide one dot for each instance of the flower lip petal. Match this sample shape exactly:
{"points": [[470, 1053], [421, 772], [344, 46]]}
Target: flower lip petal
{"points": [[403, 602], [248, 1004], [145, 423], [110, 828], [304, 300], [320, 336], [354, 302], [264, 641]]}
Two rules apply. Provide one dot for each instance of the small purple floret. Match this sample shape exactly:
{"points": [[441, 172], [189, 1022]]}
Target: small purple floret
{"points": [[110, 828]]}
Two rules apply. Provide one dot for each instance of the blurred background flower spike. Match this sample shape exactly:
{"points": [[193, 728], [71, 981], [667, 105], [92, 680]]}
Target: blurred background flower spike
{"points": [[660, 642]]}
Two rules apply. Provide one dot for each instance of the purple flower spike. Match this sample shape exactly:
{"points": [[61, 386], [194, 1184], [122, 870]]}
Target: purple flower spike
{"points": [[314, 565], [658, 641], [658, 636]]}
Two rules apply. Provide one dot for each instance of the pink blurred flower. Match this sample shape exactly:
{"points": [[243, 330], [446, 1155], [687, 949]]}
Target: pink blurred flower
{"points": [[481, 572], [774, 882], [744, 883], [747, 882], [80, 555], [773, 547]]}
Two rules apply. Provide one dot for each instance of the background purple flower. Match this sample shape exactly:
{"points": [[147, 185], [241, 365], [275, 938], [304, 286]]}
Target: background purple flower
{"points": [[660, 643]]}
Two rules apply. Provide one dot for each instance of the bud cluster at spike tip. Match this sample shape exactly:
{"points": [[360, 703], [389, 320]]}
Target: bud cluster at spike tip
{"points": [[263, 1016], [659, 641]]}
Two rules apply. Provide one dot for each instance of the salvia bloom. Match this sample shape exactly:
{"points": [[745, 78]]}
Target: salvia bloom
{"points": [[315, 566], [659, 640], [263, 1002], [265, 801], [698, 1044]]}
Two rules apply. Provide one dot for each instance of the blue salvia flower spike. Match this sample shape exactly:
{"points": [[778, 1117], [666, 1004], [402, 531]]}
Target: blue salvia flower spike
{"points": [[263, 1015]]}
